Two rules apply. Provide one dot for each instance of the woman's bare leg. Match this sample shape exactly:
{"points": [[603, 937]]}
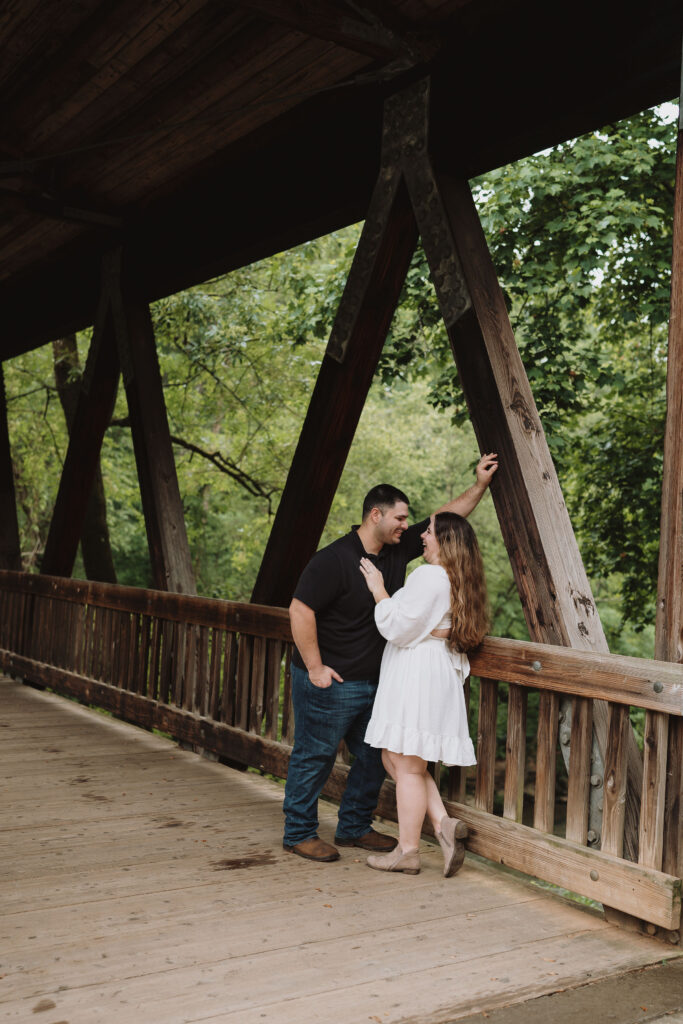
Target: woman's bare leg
{"points": [[435, 806], [388, 762], [411, 798]]}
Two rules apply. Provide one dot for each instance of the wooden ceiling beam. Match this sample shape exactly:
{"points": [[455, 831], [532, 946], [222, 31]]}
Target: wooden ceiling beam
{"points": [[340, 23], [226, 207], [99, 68]]}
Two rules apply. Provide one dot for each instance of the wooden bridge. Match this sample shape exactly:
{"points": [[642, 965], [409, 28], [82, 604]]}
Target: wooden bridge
{"points": [[142, 882], [116, 153], [216, 675]]}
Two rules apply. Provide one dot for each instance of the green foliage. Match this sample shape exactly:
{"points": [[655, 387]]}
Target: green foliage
{"points": [[38, 438]]}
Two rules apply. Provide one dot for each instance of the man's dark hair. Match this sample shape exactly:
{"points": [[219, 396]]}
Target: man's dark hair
{"points": [[383, 496]]}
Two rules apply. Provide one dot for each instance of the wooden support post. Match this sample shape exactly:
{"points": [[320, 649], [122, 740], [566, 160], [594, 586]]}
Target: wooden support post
{"points": [[669, 622], [10, 549], [93, 413], [367, 307], [161, 501]]}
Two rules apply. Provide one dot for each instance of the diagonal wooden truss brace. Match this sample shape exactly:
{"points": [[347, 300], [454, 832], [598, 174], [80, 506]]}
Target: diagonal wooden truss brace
{"points": [[122, 338]]}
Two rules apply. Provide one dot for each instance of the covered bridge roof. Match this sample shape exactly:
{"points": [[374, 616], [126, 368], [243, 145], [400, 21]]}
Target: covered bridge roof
{"points": [[205, 134]]}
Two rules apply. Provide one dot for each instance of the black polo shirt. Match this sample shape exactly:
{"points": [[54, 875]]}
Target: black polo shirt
{"points": [[335, 588]]}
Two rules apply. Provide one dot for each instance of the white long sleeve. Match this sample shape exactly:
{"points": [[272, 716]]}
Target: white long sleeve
{"points": [[416, 609]]}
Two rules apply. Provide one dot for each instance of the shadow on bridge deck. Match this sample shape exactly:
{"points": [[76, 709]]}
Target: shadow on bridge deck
{"points": [[141, 882]]}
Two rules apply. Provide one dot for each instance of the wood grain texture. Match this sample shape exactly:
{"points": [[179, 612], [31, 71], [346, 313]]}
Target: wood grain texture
{"points": [[515, 754], [578, 791], [486, 745], [173, 896], [656, 685], [615, 781], [546, 762], [655, 742]]}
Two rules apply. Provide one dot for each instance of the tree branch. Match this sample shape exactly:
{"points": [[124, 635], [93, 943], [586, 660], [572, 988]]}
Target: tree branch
{"points": [[221, 462]]}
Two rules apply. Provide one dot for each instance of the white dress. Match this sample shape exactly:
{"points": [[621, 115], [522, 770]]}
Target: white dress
{"points": [[420, 706]]}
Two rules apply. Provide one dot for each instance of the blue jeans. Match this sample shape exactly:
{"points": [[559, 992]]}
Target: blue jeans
{"points": [[322, 719]]}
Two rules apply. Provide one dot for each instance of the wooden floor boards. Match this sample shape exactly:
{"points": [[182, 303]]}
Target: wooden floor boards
{"points": [[142, 883]]}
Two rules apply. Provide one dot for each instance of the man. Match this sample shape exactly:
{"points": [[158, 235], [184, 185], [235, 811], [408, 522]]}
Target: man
{"points": [[335, 667]]}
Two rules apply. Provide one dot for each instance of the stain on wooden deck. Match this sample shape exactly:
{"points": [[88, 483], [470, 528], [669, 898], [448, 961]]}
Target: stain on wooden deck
{"points": [[142, 883]]}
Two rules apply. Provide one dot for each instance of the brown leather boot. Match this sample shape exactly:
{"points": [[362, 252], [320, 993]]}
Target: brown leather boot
{"points": [[314, 849], [374, 841]]}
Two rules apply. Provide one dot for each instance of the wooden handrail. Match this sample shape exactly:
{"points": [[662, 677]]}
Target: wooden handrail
{"points": [[256, 619], [643, 683]]}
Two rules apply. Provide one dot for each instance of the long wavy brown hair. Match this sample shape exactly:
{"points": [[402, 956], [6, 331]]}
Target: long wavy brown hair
{"points": [[460, 556]]}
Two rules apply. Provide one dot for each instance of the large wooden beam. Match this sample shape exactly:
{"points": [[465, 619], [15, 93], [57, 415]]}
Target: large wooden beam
{"points": [[10, 548], [93, 413], [669, 621], [365, 312], [161, 501], [363, 31]]}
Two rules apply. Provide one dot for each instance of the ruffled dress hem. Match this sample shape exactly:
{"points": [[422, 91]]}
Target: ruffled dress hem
{"points": [[449, 750]]}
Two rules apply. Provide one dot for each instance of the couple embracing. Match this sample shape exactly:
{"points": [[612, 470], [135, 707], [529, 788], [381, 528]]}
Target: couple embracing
{"points": [[382, 665]]}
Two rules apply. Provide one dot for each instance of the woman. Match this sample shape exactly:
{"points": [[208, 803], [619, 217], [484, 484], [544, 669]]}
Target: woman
{"points": [[419, 713]]}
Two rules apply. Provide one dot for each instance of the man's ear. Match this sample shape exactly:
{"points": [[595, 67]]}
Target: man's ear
{"points": [[375, 514]]}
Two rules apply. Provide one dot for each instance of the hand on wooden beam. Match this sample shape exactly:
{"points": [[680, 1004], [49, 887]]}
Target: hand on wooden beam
{"points": [[469, 499]]}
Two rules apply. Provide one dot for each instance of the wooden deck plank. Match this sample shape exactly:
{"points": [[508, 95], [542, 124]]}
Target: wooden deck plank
{"points": [[174, 901]]}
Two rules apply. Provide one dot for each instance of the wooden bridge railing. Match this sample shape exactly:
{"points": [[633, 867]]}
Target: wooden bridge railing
{"points": [[216, 674]]}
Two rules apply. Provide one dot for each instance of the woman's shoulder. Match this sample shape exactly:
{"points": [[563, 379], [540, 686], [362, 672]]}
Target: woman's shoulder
{"points": [[428, 574]]}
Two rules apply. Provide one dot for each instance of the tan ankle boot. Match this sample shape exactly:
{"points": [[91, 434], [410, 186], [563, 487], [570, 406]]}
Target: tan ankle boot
{"points": [[397, 860], [453, 831]]}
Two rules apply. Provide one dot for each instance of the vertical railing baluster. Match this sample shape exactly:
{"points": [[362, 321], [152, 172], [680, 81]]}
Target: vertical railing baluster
{"points": [[578, 792], [546, 754], [228, 679], [651, 833], [515, 753], [615, 780], [486, 745]]}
